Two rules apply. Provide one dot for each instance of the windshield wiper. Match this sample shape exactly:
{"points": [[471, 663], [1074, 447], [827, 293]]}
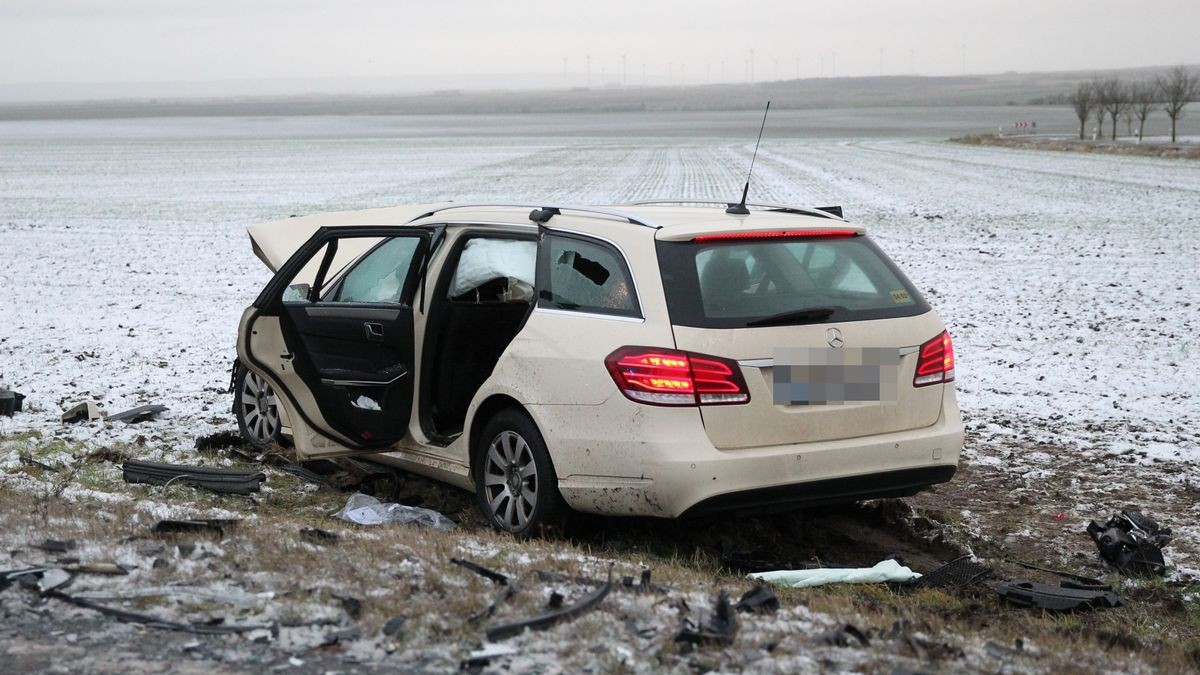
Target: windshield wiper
{"points": [[801, 316]]}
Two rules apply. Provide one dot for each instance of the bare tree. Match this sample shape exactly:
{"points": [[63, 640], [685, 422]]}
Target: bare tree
{"points": [[1101, 90], [1176, 89], [1115, 100], [1084, 102], [1143, 96]]}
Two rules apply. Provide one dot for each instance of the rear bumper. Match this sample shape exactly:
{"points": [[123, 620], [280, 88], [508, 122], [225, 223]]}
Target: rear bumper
{"points": [[902, 483], [660, 462]]}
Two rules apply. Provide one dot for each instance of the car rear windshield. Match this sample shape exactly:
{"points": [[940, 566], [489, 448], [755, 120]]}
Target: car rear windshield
{"points": [[744, 283]]}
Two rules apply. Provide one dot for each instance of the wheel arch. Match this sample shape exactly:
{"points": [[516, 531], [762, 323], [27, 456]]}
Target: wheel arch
{"points": [[488, 408]]}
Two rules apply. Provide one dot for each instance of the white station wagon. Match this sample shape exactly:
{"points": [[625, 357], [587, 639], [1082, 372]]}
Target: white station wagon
{"points": [[666, 358]]}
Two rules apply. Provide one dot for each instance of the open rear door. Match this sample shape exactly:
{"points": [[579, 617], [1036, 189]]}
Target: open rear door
{"points": [[333, 333]]}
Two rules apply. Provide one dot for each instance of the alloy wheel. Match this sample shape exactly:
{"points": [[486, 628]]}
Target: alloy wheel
{"points": [[259, 409], [510, 480]]}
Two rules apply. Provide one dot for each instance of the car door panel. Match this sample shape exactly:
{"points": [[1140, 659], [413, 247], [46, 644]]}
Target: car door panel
{"points": [[344, 367]]}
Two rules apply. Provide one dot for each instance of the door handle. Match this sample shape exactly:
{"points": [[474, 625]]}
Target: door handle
{"points": [[374, 331]]}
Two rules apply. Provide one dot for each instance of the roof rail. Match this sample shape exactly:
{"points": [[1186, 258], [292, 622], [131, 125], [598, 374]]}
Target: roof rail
{"points": [[631, 218], [831, 212]]}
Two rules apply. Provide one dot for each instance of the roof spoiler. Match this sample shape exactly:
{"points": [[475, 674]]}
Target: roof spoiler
{"points": [[835, 210]]}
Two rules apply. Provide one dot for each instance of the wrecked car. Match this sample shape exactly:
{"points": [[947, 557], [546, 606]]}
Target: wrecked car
{"points": [[659, 358]]}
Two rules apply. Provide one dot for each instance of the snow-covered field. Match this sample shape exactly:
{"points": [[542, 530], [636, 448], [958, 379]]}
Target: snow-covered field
{"points": [[1069, 282]]}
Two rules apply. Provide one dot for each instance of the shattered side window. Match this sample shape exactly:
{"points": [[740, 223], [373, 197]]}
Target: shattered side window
{"points": [[380, 276], [587, 276]]}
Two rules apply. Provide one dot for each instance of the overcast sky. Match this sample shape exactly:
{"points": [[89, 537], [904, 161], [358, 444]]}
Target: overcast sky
{"points": [[307, 44]]}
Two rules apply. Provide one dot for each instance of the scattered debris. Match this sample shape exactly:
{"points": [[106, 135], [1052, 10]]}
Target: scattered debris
{"points": [[138, 415], [25, 458], [758, 600], [308, 475], [504, 631], [886, 570], [495, 576], [366, 510], [958, 573], [1132, 543], [57, 545], [318, 536], [719, 629], [477, 660], [219, 440], [213, 525], [394, 625], [845, 635], [350, 604], [11, 402], [1056, 598], [84, 411], [228, 481], [99, 568], [53, 578], [1070, 579], [211, 628]]}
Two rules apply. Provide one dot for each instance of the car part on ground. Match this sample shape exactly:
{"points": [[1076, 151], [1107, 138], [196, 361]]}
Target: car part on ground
{"points": [[228, 481], [958, 573], [844, 635], [84, 411], [139, 414], [758, 600], [554, 616], [256, 408], [883, 571], [515, 483], [367, 510], [11, 402], [1132, 543], [1056, 598], [215, 526], [319, 536], [720, 628]]}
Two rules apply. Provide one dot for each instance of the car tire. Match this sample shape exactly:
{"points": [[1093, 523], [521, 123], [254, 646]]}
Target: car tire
{"points": [[515, 483], [256, 407]]}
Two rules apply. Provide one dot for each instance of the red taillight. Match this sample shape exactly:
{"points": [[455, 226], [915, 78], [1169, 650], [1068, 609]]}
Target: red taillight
{"points": [[775, 234], [936, 362], [670, 377]]}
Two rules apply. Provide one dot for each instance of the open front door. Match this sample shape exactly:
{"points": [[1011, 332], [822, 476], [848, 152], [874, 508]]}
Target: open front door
{"points": [[333, 333]]}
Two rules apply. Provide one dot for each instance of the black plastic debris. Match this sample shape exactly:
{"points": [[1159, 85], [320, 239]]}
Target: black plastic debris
{"points": [[30, 461], [758, 600], [350, 604], [495, 576], [720, 628], [1132, 543], [1069, 579], [11, 402], [219, 440], [958, 573], [218, 628], [394, 625], [318, 536], [1056, 598], [138, 415], [215, 526], [845, 635], [587, 602], [229, 481], [57, 545]]}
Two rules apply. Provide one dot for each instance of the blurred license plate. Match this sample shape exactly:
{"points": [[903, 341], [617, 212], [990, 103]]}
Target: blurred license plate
{"points": [[834, 376]]}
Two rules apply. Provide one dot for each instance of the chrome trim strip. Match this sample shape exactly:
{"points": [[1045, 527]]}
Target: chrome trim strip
{"points": [[362, 383], [589, 315], [757, 363]]}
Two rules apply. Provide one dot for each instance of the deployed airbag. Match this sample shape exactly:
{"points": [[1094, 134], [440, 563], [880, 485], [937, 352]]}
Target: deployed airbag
{"points": [[483, 260]]}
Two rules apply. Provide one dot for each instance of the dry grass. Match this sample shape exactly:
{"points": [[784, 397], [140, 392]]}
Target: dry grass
{"points": [[402, 571]]}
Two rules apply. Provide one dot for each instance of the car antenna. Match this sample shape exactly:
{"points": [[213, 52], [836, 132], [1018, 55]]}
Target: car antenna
{"points": [[740, 209]]}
